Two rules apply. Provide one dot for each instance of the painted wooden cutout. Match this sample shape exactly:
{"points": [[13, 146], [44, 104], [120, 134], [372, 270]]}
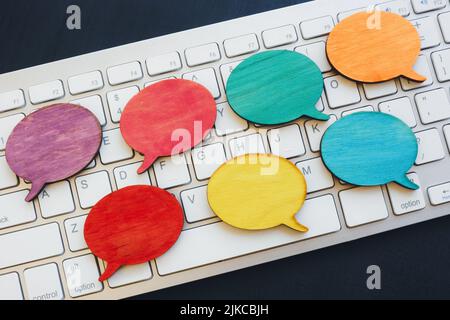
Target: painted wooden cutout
{"points": [[275, 87], [133, 225], [258, 191], [168, 118], [374, 46], [52, 144], [370, 149]]}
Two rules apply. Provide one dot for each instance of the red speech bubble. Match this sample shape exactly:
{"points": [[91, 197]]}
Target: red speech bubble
{"points": [[132, 226], [168, 118]]}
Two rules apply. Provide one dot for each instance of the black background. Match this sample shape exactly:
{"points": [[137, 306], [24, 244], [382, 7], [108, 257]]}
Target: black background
{"points": [[414, 260]]}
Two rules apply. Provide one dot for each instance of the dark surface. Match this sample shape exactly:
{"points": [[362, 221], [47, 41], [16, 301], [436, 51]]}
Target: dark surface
{"points": [[414, 260]]}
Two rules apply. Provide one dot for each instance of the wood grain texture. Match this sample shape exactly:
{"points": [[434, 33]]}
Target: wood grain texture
{"points": [[133, 225], [52, 144], [275, 87], [256, 192], [374, 47], [370, 149], [168, 118]]}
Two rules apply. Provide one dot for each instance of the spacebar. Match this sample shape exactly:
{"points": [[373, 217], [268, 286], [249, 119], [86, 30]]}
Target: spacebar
{"points": [[219, 241], [30, 245]]}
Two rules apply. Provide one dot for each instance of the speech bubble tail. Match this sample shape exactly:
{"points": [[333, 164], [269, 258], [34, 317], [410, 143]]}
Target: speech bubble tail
{"points": [[316, 114], [36, 188], [413, 75], [148, 161], [111, 268], [405, 182], [294, 224]]}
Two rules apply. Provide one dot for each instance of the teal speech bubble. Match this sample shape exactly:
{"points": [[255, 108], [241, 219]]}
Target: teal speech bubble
{"points": [[370, 149], [276, 87]]}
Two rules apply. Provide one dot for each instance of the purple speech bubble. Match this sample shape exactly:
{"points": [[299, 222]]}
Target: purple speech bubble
{"points": [[52, 144]]}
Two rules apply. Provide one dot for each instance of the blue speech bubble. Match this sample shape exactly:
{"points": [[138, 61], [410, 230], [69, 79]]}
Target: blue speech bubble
{"points": [[276, 87], [370, 149]]}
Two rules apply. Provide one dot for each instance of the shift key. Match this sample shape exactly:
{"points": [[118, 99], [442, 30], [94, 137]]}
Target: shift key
{"points": [[30, 245]]}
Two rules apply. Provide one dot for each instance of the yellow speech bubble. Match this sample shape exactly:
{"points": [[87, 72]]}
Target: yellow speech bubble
{"points": [[375, 46], [258, 191]]}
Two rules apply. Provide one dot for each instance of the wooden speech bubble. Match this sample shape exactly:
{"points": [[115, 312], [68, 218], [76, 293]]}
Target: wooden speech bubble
{"points": [[374, 46], [258, 191], [370, 149], [168, 118], [52, 144], [133, 225]]}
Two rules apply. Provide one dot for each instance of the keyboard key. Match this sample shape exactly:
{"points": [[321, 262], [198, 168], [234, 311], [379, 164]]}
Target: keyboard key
{"points": [[422, 68], [171, 172], [130, 274], [56, 199], [226, 70], [439, 194], [362, 109], [118, 99], [228, 121], [164, 63], [46, 92], [279, 36], [82, 276], [207, 159], [92, 188], [126, 176], [441, 63], [316, 52], [378, 90], [114, 148], [421, 6], [95, 105], [75, 233], [430, 147], [316, 174], [148, 84], [444, 22], [248, 144], [363, 205], [447, 135], [11, 289], [346, 14], [241, 45], [8, 178], [85, 82], [44, 283], [195, 204], [12, 100], [428, 32], [202, 54], [192, 250], [286, 142], [15, 210], [433, 106], [315, 130], [316, 27], [404, 200], [207, 78], [7, 124], [30, 245], [341, 92], [125, 73], [400, 108], [400, 7]]}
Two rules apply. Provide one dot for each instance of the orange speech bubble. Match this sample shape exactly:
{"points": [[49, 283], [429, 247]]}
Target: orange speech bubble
{"points": [[374, 46]]}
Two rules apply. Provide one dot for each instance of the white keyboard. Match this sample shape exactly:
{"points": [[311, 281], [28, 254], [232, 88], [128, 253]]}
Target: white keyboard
{"points": [[42, 250]]}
